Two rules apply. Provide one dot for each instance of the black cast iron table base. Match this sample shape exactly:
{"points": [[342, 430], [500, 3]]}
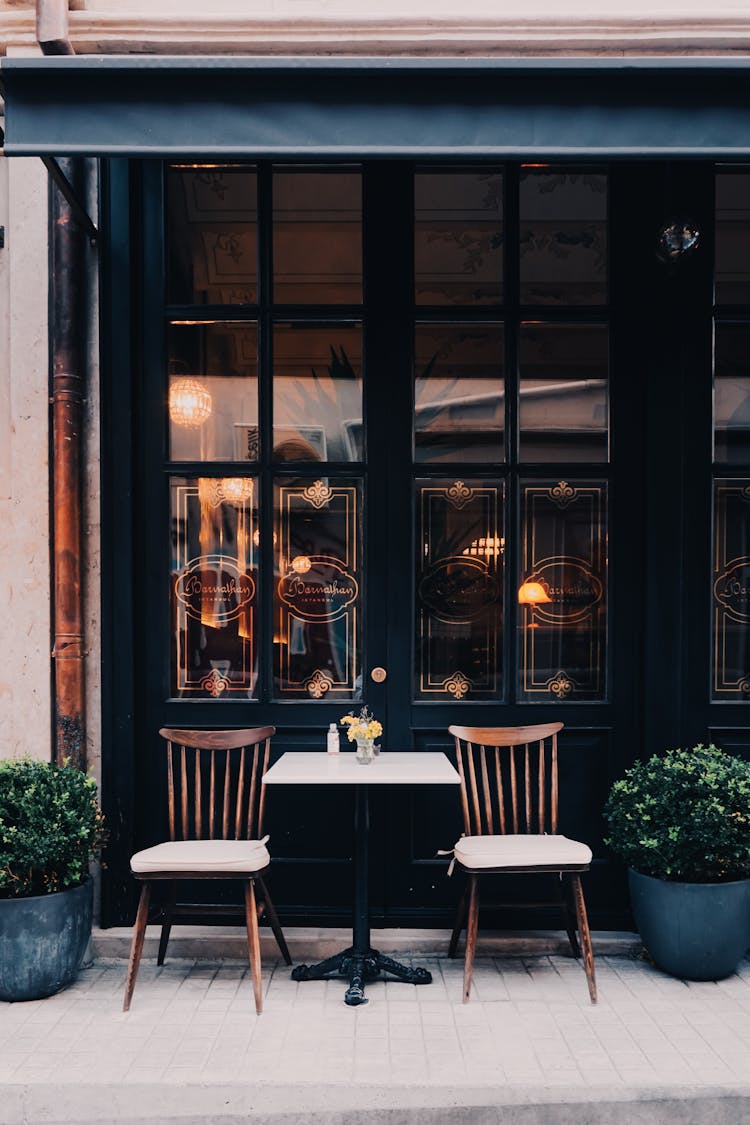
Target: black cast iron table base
{"points": [[360, 968], [360, 963]]}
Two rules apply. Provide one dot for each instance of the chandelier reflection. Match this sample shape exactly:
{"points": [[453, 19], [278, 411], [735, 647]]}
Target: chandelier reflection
{"points": [[486, 547], [190, 402], [237, 490], [215, 491]]}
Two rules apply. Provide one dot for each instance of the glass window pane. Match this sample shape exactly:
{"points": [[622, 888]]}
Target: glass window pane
{"points": [[459, 394], [212, 240], [732, 277], [317, 238], [732, 393], [563, 238], [564, 401], [458, 238], [731, 591], [318, 582], [213, 588], [213, 392], [459, 590], [562, 593], [317, 393]]}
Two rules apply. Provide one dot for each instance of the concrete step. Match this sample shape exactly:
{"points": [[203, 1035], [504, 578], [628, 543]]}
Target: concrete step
{"points": [[313, 944]]}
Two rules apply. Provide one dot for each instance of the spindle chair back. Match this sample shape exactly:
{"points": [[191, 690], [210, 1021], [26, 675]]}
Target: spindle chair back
{"points": [[214, 788], [508, 778]]}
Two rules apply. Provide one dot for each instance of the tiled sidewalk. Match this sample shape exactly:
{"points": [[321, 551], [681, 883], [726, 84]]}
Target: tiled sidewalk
{"points": [[529, 1034]]}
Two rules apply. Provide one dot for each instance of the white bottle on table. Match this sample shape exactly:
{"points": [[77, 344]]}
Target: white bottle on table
{"points": [[332, 739]]}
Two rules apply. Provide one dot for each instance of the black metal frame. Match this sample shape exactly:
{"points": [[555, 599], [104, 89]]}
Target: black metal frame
{"points": [[660, 598]]}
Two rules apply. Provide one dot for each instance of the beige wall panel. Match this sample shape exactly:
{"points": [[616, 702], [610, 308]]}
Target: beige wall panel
{"points": [[24, 511]]}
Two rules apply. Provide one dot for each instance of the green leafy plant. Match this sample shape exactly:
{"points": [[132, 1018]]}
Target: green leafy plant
{"points": [[51, 827], [684, 816]]}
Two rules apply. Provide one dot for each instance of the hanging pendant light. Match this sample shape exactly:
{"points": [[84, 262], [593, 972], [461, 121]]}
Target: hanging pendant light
{"points": [[190, 402]]}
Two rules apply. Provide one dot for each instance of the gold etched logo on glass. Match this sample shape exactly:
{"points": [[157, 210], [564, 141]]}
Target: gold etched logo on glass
{"points": [[572, 587], [322, 593], [214, 590], [457, 685], [214, 683], [319, 683], [459, 494], [459, 590], [732, 589], [563, 494], [318, 494], [561, 686]]}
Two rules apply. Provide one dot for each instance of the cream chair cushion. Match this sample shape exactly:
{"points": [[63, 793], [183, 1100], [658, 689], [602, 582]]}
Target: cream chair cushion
{"points": [[520, 851], [202, 855]]}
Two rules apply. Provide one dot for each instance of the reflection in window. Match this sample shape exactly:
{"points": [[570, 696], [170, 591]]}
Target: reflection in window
{"points": [[562, 593], [563, 409], [317, 238], [318, 584], [317, 393], [213, 392], [732, 393], [458, 238], [459, 396], [459, 590], [212, 241], [732, 274], [563, 238], [214, 588]]}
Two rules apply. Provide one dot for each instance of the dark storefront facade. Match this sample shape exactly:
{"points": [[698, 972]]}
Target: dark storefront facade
{"points": [[425, 387]]}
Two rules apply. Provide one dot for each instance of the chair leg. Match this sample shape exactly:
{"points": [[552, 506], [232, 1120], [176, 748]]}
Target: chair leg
{"points": [[459, 923], [585, 936], [273, 921], [136, 946], [166, 925], [253, 943], [471, 934], [567, 906]]}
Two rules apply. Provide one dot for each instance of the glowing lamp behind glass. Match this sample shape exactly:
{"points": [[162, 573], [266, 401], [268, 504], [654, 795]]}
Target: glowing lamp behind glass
{"points": [[190, 403], [532, 593]]}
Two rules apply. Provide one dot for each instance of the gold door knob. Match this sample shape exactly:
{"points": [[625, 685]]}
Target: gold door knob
{"points": [[378, 675]]}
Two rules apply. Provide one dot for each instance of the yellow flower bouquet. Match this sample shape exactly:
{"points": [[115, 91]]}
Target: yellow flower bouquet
{"points": [[363, 729]]}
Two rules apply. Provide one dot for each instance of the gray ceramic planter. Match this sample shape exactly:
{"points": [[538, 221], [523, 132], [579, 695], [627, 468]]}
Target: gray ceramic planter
{"points": [[697, 931], [43, 941]]}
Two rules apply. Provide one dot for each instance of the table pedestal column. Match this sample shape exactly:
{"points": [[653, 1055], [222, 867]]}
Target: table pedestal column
{"points": [[360, 962]]}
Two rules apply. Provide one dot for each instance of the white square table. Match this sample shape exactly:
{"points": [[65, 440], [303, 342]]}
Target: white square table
{"points": [[360, 962]]}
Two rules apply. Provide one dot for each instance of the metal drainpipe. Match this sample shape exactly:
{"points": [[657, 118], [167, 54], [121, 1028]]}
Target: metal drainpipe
{"points": [[68, 337], [52, 27]]}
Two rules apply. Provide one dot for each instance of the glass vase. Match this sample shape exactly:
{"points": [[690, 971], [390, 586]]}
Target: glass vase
{"points": [[365, 751]]}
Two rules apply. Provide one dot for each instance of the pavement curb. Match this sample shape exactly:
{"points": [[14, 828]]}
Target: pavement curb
{"points": [[225, 1104]]}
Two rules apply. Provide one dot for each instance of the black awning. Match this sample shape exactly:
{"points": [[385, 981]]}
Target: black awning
{"points": [[298, 107]]}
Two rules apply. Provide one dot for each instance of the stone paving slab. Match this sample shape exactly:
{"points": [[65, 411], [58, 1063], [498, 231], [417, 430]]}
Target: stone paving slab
{"points": [[528, 1050]]}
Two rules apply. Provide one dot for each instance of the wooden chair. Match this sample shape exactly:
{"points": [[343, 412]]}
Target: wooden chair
{"points": [[216, 805], [509, 804]]}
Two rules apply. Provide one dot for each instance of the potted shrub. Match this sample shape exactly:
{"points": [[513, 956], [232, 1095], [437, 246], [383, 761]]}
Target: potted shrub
{"points": [[681, 822], [51, 828]]}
